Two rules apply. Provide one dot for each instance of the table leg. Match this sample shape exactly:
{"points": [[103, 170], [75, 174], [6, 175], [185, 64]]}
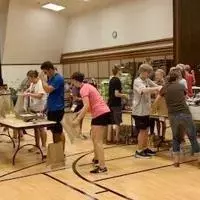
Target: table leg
{"points": [[9, 136], [15, 154], [20, 147]]}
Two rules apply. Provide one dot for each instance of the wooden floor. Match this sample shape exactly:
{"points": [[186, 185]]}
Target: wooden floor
{"points": [[127, 178]]}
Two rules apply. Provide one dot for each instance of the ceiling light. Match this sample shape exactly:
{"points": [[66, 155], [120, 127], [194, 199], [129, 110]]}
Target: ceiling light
{"points": [[53, 7]]}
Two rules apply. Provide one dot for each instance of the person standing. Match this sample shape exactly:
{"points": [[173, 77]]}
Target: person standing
{"points": [[37, 101], [190, 80], [93, 101], [179, 115], [143, 87], [55, 101], [115, 104]]}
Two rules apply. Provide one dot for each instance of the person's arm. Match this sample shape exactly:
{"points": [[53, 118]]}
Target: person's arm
{"points": [[150, 90], [82, 112], [118, 88], [160, 95], [151, 83], [119, 94], [47, 88], [36, 95], [141, 89]]}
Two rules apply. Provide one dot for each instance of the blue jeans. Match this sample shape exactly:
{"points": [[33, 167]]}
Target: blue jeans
{"points": [[183, 123]]}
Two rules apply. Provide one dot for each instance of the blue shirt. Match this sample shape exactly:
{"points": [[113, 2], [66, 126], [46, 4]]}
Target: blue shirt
{"points": [[55, 99]]}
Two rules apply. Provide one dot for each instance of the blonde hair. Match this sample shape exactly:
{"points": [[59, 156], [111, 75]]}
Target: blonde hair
{"points": [[145, 68], [161, 71]]}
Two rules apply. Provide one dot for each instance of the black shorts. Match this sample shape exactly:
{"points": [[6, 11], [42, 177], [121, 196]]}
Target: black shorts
{"points": [[102, 120], [116, 115], [141, 122], [56, 116]]}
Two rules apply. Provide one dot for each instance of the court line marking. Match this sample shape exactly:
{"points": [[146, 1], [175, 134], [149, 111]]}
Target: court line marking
{"points": [[110, 190], [34, 174], [70, 186], [100, 192], [18, 170], [141, 171], [118, 158], [96, 184]]}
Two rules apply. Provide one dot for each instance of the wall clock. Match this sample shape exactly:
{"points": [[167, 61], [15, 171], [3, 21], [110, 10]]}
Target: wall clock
{"points": [[114, 34]]}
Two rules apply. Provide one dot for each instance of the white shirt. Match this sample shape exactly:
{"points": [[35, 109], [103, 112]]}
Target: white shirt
{"points": [[36, 104], [142, 102]]}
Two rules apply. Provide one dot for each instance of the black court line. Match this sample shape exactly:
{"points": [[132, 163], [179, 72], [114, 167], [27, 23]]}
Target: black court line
{"points": [[18, 170], [100, 186], [90, 151], [12, 172], [70, 186], [34, 174], [141, 171], [118, 158], [101, 192]]}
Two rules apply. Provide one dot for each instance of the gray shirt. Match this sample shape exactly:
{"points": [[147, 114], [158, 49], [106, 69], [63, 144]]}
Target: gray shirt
{"points": [[142, 101]]}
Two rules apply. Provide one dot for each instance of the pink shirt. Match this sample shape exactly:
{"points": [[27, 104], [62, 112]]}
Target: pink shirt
{"points": [[97, 105]]}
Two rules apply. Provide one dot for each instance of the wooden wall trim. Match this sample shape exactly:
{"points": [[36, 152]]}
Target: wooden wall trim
{"points": [[121, 47], [162, 51], [161, 47]]}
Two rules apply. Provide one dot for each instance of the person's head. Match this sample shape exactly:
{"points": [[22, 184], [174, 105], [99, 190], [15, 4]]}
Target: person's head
{"points": [[187, 68], [159, 74], [145, 70], [48, 68], [33, 76], [181, 67], [116, 70], [174, 75], [77, 79]]}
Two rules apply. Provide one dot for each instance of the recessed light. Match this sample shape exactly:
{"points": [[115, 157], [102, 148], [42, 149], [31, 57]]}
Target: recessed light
{"points": [[54, 7]]}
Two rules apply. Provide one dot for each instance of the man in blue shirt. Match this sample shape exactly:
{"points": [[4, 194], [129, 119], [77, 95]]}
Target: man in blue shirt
{"points": [[55, 102]]}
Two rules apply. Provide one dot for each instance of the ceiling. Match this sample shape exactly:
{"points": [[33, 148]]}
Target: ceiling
{"points": [[74, 7]]}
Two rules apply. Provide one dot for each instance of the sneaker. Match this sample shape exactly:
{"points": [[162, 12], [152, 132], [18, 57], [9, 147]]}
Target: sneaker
{"points": [[142, 154], [95, 161], [33, 150], [99, 170], [150, 152]]}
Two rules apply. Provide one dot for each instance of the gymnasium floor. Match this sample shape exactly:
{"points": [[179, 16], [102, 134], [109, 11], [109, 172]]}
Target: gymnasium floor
{"points": [[127, 178]]}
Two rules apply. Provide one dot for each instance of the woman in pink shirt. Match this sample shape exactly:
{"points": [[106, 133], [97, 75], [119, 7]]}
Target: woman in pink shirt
{"points": [[93, 101]]}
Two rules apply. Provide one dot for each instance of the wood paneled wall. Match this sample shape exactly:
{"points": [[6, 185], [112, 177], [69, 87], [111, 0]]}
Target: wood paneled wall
{"points": [[98, 63], [187, 33]]}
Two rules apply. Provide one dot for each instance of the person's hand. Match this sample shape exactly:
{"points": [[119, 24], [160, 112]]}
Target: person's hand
{"points": [[27, 94], [43, 76], [158, 88]]}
